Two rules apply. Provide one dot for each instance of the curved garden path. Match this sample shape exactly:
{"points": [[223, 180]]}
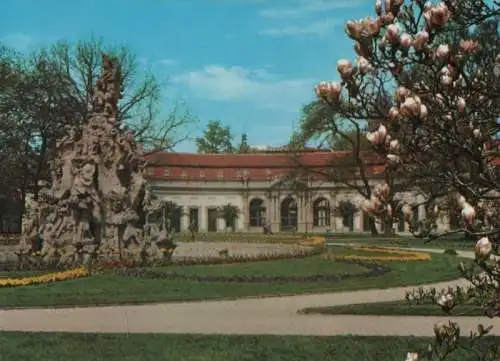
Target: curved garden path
{"points": [[273, 315]]}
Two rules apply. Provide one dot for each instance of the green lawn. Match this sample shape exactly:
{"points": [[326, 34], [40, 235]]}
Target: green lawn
{"points": [[395, 308], [111, 288], [158, 347]]}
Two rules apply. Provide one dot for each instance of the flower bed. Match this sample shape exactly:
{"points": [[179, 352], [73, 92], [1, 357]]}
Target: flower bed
{"points": [[299, 252], [46, 278], [373, 270], [393, 255], [316, 241], [9, 239]]}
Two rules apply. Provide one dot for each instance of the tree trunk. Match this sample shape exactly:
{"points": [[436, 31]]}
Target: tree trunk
{"points": [[388, 222], [373, 227]]}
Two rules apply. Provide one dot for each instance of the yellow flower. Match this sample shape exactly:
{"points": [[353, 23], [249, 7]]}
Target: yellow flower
{"points": [[395, 255], [46, 278]]}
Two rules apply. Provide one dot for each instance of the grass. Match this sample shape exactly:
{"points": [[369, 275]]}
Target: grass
{"points": [[395, 308], [158, 347], [456, 242], [109, 288]]}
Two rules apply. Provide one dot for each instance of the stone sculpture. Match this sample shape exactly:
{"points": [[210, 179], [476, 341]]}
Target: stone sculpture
{"points": [[97, 204]]}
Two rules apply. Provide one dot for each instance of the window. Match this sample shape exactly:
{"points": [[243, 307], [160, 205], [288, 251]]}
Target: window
{"points": [[257, 213], [166, 172], [321, 213], [289, 215]]}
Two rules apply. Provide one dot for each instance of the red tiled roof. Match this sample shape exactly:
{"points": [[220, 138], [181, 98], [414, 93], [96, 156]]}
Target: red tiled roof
{"points": [[256, 166]]}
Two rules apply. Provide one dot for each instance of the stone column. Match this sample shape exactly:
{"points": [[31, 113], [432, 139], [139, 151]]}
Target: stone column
{"points": [[358, 222], [185, 219], [245, 211], [276, 212], [270, 210], [203, 219]]}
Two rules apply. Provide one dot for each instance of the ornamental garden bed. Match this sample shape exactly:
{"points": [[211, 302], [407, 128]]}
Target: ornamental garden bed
{"points": [[240, 280]]}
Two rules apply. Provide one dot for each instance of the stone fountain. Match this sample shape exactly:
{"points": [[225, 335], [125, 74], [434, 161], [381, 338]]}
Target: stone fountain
{"points": [[97, 205]]}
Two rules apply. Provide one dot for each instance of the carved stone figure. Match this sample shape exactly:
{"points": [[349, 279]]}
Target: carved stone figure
{"points": [[97, 202]]}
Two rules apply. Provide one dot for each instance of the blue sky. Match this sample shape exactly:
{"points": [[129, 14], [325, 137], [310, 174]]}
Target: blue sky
{"points": [[250, 64]]}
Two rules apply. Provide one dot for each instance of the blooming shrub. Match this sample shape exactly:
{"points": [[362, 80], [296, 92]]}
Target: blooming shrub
{"points": [[46, 278], [428, 77]]}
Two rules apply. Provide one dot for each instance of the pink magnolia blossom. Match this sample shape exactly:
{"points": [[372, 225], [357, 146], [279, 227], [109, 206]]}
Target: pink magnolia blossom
{"points": [[378, 7], [477, 133], [377, 137], [423, 111], [402, 93], [393, 159], [407, 212], [411, 106], [394, 145], [460, 104], [483, 247], [421, 39], [468, 213], [442, 52], [345, 69], [393, 113], [446, 76], [367, 207], [329, 91], [411, 356], [364, 65], [392, 33], [461, 201], [436, 16], [405, 41], [468, 46], [381, 191]]}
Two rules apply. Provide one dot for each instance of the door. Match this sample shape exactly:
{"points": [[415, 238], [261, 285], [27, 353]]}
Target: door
{"points": [[212, 219], [194, 219]]}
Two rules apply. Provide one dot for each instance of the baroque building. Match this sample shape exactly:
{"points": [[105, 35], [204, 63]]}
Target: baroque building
{"points": [[264, 189]]}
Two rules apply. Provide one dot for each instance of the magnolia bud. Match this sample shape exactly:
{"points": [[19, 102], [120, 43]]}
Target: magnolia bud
{"points": [[378, 7], [483, 247], [442, 52], [423, 111], [392, 33], [405, 41], [468, 213], [394, 145], [460, 104], [411, 356]]}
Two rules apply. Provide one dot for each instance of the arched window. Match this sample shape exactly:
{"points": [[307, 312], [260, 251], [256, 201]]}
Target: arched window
{"points": [[321, 213], [366, 222], [401, 220], [415, 218], [289, 216], [257, 213]]}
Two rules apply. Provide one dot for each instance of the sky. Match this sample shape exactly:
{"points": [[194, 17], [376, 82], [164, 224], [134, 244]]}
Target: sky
{"points": [[252, 64]]}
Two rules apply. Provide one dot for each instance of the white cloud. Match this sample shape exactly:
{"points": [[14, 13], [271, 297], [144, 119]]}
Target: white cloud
{"points": [[304, 8], [18, 41], [264, 89], [168, 62], [316, 28]]}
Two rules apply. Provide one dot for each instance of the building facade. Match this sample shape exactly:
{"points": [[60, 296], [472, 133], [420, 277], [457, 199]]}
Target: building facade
{"points": [[264, 190]]}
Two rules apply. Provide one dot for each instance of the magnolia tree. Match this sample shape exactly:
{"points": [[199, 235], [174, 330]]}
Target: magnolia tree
{"points": [[440, 62]]}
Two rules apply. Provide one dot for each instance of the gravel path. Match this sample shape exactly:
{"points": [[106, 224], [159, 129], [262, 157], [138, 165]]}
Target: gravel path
{"points": [[274, 315]]}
